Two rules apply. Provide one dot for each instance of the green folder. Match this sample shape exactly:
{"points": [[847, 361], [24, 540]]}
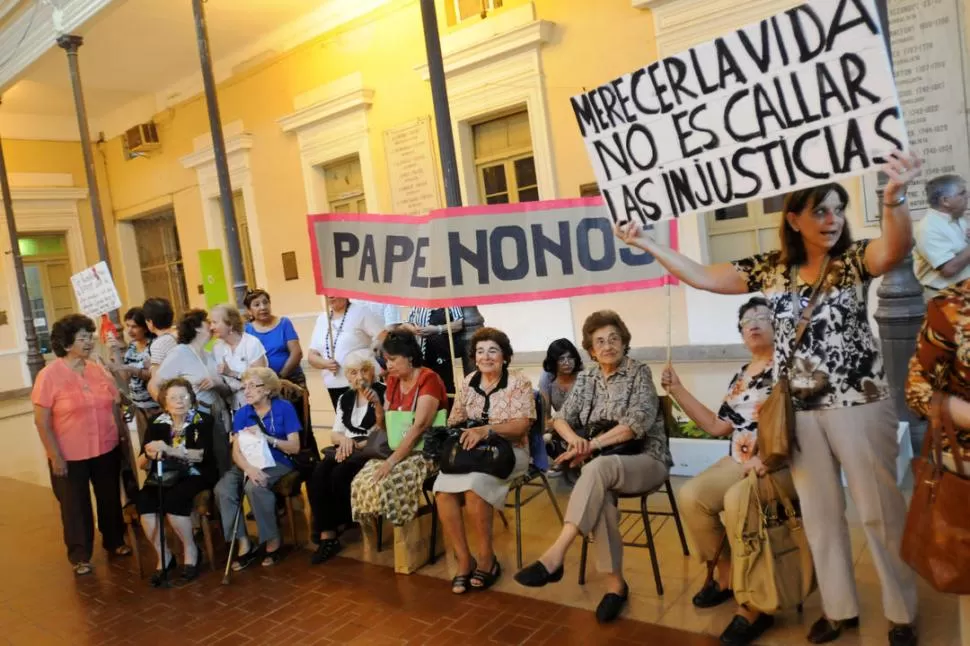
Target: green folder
{"points": [[399, 421]]}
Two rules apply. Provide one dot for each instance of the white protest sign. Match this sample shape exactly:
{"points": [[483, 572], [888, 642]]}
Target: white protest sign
{"points": [[799, 99], [95, 291]]}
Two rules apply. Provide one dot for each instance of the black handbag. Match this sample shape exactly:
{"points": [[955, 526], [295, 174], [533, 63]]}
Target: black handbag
{"points": [[493, 456], [172, 471]]}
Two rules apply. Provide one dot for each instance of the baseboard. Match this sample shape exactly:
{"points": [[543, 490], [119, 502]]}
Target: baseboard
{"points": [[19, 393]]}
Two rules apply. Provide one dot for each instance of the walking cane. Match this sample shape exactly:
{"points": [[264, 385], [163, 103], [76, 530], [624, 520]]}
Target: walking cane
{"points": [[235, 527], [164, 583]]}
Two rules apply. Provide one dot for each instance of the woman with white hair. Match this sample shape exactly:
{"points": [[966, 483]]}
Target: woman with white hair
{"points": [[359, 411], [268, 416]]}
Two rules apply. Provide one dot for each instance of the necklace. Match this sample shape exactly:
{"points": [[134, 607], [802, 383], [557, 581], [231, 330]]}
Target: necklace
{"points": [[332, 340]]}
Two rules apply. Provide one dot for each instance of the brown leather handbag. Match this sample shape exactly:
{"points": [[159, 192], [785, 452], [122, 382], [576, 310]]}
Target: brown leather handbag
{"points": [[776, 420], [936, 542]]}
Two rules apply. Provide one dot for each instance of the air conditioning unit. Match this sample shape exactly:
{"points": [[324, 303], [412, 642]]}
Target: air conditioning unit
{"points": [[141, 139]]}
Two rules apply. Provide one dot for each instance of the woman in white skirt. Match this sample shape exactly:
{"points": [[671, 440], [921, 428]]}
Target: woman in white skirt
{"points": [[493, 401]]}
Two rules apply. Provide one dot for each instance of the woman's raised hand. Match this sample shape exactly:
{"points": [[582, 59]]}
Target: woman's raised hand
{"points": [[901, 168], [669, 378], [628, 232]]}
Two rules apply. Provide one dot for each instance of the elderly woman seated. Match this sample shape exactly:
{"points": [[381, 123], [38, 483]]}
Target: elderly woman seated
{"points": [[181, 437], [631, 457], [721, 487], [390, 487], [360, 411], [266, 422], [492, 401]]}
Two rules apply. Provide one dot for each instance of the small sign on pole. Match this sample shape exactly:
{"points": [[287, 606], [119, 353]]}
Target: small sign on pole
{"points": [[213, 271]]}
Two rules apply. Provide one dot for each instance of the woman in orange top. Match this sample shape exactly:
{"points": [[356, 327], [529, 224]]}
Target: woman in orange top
{"points": [[77, 416]]}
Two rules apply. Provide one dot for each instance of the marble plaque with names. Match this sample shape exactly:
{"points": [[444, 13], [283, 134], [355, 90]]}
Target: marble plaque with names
{"points": [[929, 64], [411, 168]]}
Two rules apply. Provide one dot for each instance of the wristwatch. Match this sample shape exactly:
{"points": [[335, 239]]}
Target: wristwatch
{"points": [[899, 201]]}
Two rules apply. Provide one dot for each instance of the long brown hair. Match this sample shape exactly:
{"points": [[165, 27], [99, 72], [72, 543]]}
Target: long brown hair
{"points": [[792, 246]]}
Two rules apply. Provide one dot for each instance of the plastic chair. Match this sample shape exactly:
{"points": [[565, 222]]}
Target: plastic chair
{"points": [[666, 407]]}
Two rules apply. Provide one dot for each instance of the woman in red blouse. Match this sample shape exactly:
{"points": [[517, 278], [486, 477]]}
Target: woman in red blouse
{"points": [[77, 416], [391, 487]]}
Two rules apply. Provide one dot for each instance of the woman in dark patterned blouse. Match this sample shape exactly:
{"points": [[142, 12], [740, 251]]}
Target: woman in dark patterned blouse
{"points": [[720, 487], [844, 415]]}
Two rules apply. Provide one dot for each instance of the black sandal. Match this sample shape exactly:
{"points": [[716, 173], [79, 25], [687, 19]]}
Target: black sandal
{"points": [[482, 580], [461, 583], [243, 561], [272, 558]]}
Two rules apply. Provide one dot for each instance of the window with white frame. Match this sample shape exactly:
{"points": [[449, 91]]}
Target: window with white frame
{"points": [[468, 9], [504, 161], [744, 229], [345, 186]]}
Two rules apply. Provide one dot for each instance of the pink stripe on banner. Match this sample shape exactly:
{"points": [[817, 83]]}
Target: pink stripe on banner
{"points": [[315, 254]]}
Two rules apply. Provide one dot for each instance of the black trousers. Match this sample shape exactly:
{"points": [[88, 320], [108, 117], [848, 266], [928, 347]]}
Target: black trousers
{"points": [[73, 492], [329, 491]]}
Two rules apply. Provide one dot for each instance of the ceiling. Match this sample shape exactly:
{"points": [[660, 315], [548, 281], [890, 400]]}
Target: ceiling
{"points": [[136, 48]]}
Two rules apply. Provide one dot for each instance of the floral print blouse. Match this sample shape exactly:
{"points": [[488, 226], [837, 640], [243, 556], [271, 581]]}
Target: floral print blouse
{"points": [[942, 358], [510, 399], [741, 406], [839, 349]]}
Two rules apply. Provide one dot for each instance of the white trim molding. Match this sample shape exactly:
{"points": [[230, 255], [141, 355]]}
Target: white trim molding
{"points": [[331, 123], [40, 209], [491, 67], [34, 30], [238, 146]]}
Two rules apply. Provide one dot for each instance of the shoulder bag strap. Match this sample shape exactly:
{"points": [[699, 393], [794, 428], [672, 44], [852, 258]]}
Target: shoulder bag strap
{"points": [[806, 316], [947, 428]]}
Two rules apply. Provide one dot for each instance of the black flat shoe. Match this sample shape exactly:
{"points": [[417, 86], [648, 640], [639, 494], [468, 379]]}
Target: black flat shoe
{"points": [[826, 630], [156, 579], [611, 605], [902, 635], [536, 575], [189, 573], [741, 632], [712, 595], [326, 550]]}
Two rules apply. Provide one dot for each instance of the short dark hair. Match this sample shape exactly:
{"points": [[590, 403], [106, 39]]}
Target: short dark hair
{"points": [[189, 324], [65, 330], [558, 348], [601, 319], [500, 338], [750, 304], [159, 311], [253, 294], [173, 383], [137, 315], [792, 246], [401, 343]]}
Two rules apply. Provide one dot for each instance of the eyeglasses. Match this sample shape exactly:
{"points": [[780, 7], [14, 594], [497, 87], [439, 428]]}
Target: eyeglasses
{"points": [[748, 321], [175, 398], [83, 336], [606, 342], [564, 359], [252, 385]]}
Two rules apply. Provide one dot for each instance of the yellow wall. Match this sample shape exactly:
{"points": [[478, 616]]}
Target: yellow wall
{"points": [[593, 42]]}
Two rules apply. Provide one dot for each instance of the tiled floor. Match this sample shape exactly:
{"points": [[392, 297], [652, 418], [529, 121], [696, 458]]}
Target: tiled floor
{"points": [[350, 602]]}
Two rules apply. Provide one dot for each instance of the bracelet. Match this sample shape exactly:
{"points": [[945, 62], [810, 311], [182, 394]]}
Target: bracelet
{"points": [[440, 329], [898, 202], [596, 444]]}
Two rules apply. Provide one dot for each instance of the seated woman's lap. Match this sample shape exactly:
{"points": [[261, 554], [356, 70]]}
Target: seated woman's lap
{"points": [[178, 499], [487, 487], [328, 470], [705, 492]]}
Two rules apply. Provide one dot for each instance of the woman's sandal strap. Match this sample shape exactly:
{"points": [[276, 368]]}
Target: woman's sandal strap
{"points": [[485, 580]]}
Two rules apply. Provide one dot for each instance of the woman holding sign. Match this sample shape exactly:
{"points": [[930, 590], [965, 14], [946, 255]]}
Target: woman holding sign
{"points": [[845, 417]]}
